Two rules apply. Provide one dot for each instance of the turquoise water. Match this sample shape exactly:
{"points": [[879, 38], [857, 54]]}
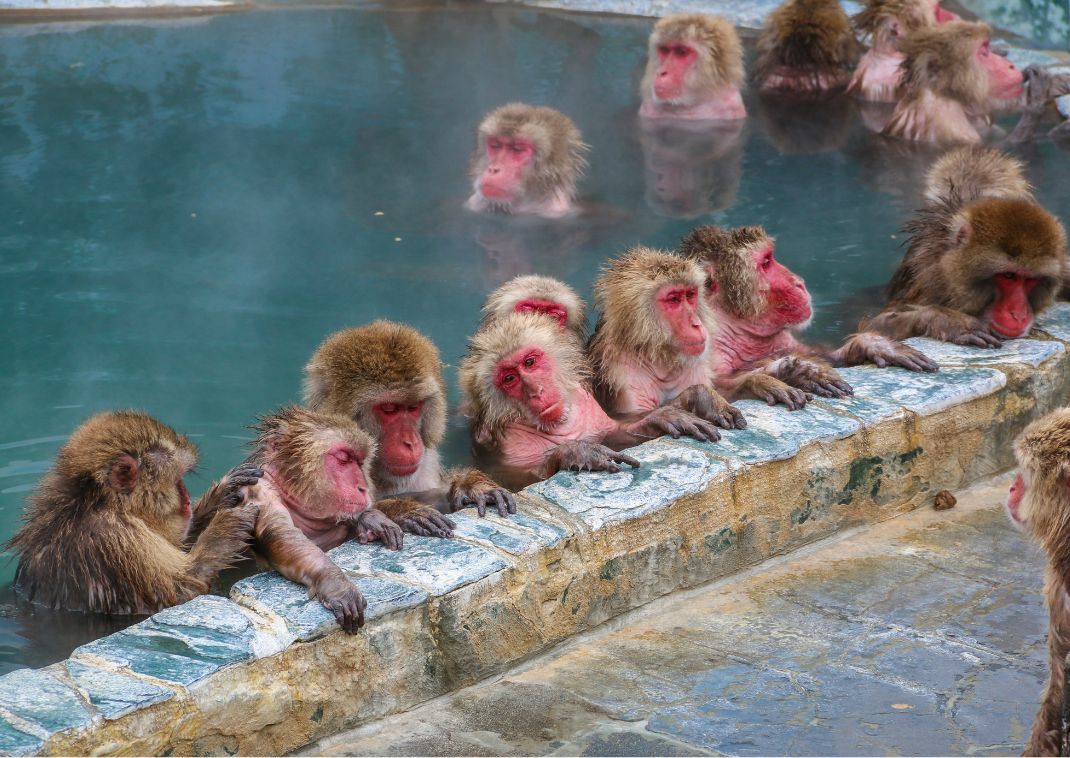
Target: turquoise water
{"points": [[190, 206]]}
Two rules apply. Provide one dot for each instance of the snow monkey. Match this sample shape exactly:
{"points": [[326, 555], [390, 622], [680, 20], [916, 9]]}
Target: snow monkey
{"points": [[887, 23], [106, 529], [757, 303], [539, 294], [694, 70], [651, 345], [527, 393], [952, 81], [527, 161], [806, 46], [388, 378], [1039, 504], [983, 258]]}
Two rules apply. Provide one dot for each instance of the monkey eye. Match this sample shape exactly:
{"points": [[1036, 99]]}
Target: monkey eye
{"points": [[494, 144], [680, 51], [389, 409], [508, 378], [664, 49], [517, 148], [1009, 275], [529, 361], [343, 456], [413, 409], [767, 261]]}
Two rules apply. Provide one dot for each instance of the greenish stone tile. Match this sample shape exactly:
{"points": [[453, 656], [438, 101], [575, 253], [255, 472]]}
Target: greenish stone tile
{"points": [[494, 531], [921, 393], [749, 15], [1056, 320], [668, 472], [305, 617], [1028, 352], [112, 693], [16, 742], [37, 697], [549, 534], [437, 565]]}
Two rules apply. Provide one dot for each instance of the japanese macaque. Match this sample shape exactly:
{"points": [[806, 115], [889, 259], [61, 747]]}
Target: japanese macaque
{"points": [[952, 81], [1039, 504], [1042, 91], [315, 494], [539, 294], [806, 46], [692, 167], [887, 23], [651, 345], [694, 70], [106, 529], [388, 378], [528, 397], [527, 161], [757, 303], [983, 258]]}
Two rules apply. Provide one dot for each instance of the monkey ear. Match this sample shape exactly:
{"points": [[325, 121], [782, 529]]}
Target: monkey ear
{"points": [[961, 232], [123, 474]]}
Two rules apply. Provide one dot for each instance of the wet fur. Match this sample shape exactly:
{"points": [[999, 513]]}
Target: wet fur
{"points": [[720, 51], [806, 43], [503, 300], [730, 251]]}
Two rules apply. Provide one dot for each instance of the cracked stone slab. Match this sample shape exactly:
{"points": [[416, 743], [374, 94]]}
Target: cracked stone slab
{"points": [[1027, 352], [1056, 320], [305, 617], [750, 14], [668, 472], [921, 393], [184, 644], [504, 534], [112, 693], [43, 702], [774, 433], [17, 742], [437, 565]]}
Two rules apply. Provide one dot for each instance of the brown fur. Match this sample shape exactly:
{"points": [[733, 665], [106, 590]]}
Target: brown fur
{"points": [[630, 328], [355, 368], [489, 409], [941, 59], [808, 40], [720, 52], [879, 18], [503, 300], [969, 173], [560, 153], [730, 252], [88, 545]]}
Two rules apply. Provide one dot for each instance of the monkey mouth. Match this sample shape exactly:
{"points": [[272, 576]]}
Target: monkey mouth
{"points": [[403, 470]]}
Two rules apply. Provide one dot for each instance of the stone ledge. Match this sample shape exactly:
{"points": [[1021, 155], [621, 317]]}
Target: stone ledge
{"points": [[267, 670]]}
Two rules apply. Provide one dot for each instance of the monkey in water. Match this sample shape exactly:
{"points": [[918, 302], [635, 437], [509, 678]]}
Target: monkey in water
{"points": [[1039, 504], [651, 345], [538, 294], [952, 82], [527, 161], [806, 47], [983, 257], [757, 303], [106, 530], [694, 70], [388, 378]]}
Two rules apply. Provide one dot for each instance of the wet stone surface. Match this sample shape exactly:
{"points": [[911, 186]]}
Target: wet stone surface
{"points": [[46, 704], [1028, 352], [1056, 320], [924, 394], [750, 14], [111, 693], [668, 472], [16, 742], [504, 534], [437, 565]]}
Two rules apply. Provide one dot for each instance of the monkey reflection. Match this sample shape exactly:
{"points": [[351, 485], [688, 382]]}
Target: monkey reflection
{"points": [[512, 247], [806, 124], [691, 168]]}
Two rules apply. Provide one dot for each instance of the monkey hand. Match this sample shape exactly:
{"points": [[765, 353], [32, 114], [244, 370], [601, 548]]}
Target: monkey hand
{"points": [[235, 482], [885, 352], [373, 524], [474, 488], [773, 391], [707, 404], [416, 518], [973, 332], [674, 422], [586, 456], [342, 598], [813, 378]]}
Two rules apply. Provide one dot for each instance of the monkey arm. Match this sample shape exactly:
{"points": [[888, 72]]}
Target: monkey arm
{"points": [[226, 493], [767, 388], [706, 403], [222, 543], [908, 320], [670, 420], [581, 455], [416, 517], [469, 486], [1046, 736], [870, 347], [297, 558]]}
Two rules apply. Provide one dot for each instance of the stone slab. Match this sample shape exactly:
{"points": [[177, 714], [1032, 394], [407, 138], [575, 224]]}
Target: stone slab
{"points": [[921, 393], [305, 617], [42, 701], [1056, 320], [496, 532], [774, 433], [112, 693], [437, 565], [1025, 352], [668, 472]]}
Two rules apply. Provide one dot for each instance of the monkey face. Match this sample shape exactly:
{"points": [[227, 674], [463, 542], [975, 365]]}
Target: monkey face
{"points": [[401, 446], [678, 309], [1014, 501], [508, 159], [1004, 80], [344, 468], [676, 60], [527, 378]]}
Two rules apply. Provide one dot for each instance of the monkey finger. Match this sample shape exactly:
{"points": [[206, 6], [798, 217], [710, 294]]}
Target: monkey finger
{"points": [[879, 362], [510, 501], [709, 431], [623, 458], [499, 502], [414, 526], [393, 537]]}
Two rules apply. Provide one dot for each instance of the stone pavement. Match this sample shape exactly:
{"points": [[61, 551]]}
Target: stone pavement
{"points": [[923, 635]]}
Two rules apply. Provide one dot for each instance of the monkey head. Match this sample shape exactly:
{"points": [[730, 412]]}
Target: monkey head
{"points": [[888, 22], [955, 61], [973, 171], [388, 378], [745, 280], [538, 294], [1039, 499], [526, 153], [518, 369], [653, 309], [320, 463], [689, 56], [129, 460], [1004, 262]]}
